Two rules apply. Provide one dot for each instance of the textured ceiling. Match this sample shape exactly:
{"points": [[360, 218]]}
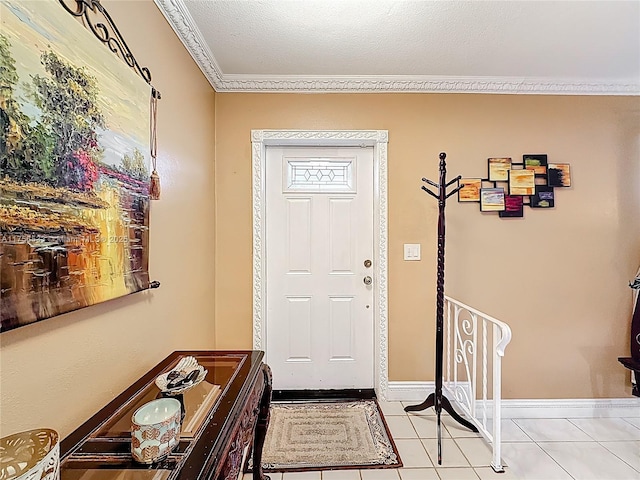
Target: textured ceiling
{"points": [[590, 47]]}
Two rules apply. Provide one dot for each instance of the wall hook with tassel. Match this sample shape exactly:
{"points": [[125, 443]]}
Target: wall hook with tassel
{"points": [[154, 183]]}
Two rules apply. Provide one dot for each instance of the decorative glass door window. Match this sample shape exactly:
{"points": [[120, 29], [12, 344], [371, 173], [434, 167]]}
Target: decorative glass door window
{"points": [[320, 175]]}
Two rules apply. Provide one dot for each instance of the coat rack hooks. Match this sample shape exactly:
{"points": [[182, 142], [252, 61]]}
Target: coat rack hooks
{"points": [[437, 399]]}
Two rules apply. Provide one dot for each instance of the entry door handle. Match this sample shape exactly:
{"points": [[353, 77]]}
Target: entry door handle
{"points": [[367, 280]]}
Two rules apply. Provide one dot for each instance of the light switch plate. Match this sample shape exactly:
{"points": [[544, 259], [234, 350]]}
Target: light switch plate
{"points": [[412, 251]]}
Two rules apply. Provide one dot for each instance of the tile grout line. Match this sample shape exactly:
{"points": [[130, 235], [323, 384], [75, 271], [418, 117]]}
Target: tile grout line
{"points": [[465, 456], [421, 442], [408, 417], [459, 448], [554, 460], [522, 430], [434, 465], [592, 439], [617, 456], [578, 427], [543, 450], [632, 424], [530, 440]]}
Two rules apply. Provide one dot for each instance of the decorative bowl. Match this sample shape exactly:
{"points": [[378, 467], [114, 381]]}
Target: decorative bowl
{"points": [[155, 428], [184, 376], [30, 455]]}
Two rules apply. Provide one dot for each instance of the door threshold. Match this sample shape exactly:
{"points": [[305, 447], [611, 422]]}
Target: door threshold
{"points": [[324, 395]]}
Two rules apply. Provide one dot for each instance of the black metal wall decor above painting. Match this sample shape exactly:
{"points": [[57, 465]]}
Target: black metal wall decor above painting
{"points": [[77, 137], [509, 186]]}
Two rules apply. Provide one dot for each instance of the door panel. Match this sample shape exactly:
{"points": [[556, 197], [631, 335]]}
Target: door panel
{"points": [[342, 328], [299, 235], [299, 328], [319, 219], [341, 257]]}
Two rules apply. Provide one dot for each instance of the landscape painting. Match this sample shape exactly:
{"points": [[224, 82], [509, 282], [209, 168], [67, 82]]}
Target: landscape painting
{"points": [[543, 197], [74, 136], [499, 169], [470, 191], [513, 206], [521, 182], [492, 200], [559, 175], [537, 163]]}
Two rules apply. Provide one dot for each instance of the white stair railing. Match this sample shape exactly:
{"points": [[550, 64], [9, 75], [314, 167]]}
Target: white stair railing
{"points": [[467, 348]]}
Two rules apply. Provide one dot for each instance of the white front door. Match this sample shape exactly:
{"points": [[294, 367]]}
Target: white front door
{"points": [[319, 249]]}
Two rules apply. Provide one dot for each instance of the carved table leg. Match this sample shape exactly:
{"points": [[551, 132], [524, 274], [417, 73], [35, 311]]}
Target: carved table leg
{"points": [[262, 424]]}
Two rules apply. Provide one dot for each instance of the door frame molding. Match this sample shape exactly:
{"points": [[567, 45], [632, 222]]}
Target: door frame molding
{"points": [[378, 139]]}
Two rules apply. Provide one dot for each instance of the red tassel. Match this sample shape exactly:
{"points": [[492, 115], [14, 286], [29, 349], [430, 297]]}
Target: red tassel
{"points": [[154, 186]]}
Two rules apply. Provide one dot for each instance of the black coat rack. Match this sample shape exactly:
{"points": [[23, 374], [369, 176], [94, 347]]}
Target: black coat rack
{"points": [[436, 399]]}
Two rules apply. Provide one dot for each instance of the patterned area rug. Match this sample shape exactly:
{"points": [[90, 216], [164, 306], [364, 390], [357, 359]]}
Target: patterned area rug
{"points": [[327, 435]]}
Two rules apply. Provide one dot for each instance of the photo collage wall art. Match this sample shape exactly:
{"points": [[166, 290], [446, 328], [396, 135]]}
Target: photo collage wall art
{"points": [[509, 186]]}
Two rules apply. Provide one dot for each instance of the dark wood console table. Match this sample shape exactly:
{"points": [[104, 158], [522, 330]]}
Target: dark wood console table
{"points": [[225, 417]]}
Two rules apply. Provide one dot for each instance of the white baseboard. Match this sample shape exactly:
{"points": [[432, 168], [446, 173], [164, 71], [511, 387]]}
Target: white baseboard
{"points": [[571, 408], [531, 408], [409, 391]]}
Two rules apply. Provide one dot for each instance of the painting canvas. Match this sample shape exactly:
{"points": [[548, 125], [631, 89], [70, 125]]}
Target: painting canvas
{"points": [[470, 192], [492, 199], [559, 175], [521, 182], [499, 169], [74, 131], [513, 206], [543, 197], [537, 163]]}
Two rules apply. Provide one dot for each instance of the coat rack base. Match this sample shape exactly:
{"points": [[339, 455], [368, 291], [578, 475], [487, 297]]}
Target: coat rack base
{"points": [[446, 406]]}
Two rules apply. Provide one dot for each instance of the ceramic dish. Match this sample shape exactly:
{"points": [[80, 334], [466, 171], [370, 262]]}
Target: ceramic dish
{"points": [[185, 375], [30, 455], [155, 428]]}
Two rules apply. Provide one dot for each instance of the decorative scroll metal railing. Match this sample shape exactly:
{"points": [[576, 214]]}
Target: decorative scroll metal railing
{"points": [[474, 346]]}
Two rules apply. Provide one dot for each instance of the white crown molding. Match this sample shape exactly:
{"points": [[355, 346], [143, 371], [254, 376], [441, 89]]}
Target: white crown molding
{"points": [[423, 84], [260, 139], [183, 24]]}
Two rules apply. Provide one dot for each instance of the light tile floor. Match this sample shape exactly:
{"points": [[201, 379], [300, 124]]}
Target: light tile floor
{"points": [[532, 449]]}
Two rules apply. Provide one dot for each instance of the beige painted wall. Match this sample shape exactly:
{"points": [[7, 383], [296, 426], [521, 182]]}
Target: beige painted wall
{"points": [[558, 276], [59, 372]]}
